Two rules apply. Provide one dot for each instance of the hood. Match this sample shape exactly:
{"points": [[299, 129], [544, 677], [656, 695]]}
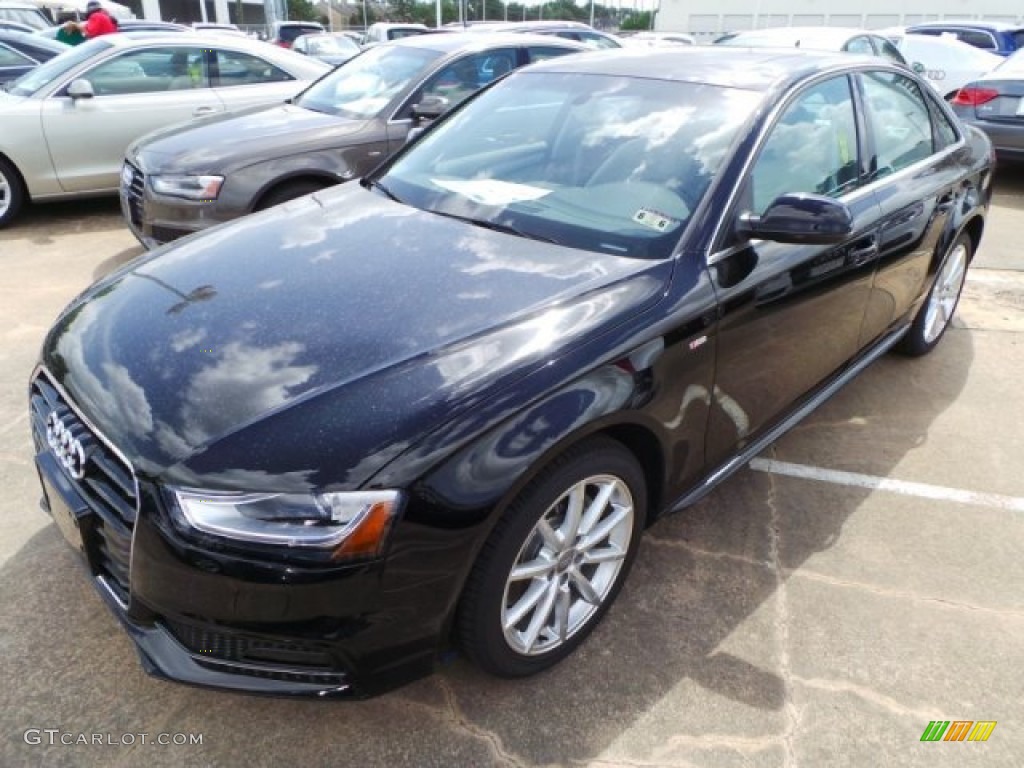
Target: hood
{"points": [[238, 139], [308, 345]]}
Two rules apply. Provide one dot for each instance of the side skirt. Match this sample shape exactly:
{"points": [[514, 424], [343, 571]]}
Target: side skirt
{"points": [[743, 458]]}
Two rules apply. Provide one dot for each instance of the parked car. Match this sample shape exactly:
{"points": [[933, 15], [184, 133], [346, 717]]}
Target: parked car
{"points": [[339, 129], [15, 26], [997, 37], [329, 48], [443, 403], [285, 32], [994, 103], [382, 32], [817, 38], [67, 123], [945, 62], [21, 52], [24, 13], [569, 30]]}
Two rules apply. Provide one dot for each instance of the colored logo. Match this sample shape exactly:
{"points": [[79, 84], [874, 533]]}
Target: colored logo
{"points": [[958, 730]]}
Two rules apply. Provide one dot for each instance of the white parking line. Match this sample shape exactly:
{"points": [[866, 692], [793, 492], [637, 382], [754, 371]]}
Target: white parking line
{"points": [[922, 490]]}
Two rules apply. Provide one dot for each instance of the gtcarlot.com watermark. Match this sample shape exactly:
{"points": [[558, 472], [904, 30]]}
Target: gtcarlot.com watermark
{"points": [[52, 737]]}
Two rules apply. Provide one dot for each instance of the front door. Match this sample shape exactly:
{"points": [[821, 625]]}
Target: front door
{"points": [[790, 315]]}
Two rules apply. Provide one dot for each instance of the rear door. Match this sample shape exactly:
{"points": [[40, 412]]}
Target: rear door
{"points": [[136, 92], [913, 168], [790, 315]]}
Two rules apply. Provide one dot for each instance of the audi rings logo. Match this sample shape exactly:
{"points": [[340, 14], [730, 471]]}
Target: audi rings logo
{"points": [[66, 446]]}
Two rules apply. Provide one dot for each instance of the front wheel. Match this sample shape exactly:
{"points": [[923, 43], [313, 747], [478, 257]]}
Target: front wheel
{"points": [[12, 193], [555, 561], [935, 315]]}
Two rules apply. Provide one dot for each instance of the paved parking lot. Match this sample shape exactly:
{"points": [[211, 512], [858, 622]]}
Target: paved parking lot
{"points": [[799, 616]]}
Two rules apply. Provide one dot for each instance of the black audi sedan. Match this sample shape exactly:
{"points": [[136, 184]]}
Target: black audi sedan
{"points": [[309, 451]]}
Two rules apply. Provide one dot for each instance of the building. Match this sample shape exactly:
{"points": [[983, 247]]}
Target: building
{"points": [[708, 18]]}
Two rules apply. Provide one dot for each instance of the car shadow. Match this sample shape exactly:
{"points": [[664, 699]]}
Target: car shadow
{"points": [[669, 652], [42, 221], [1008, 189]]}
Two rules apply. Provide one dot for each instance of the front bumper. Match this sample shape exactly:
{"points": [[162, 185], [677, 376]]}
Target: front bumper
{"points": [[209, 618]]}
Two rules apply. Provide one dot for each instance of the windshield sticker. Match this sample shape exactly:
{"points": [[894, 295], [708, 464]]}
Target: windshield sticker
{"points": [[655, 220], [492, 191]]}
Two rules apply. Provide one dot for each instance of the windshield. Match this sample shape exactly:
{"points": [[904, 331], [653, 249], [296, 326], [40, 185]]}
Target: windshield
{"points": [[55, 68], [328, 44], [601, 163], [363, 86]]}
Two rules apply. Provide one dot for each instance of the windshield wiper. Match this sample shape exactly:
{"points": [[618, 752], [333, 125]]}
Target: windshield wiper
{"points": [[374, 184], [495, 226]]}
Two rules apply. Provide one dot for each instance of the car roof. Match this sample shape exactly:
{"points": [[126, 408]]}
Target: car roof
{"points": [[794, 35], [455, 41], [755, 69], [30, 38], [997, 26]]}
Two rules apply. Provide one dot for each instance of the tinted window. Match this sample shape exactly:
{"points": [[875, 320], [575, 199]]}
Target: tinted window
{"points": [[812, 147], [150, 70], [289, 33], [977, 39], [9, 58], [57, 67], [234, 68], [1018, 38], [466, 76], [36, 52], [945, 132], [898, 116]]}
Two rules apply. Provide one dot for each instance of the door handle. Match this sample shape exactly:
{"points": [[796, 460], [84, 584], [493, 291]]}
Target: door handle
{"points": [[200, 111], [861, 254]]}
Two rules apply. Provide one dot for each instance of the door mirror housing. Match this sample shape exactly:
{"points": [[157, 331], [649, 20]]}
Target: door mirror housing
{"points": [[800, 218], [431, 108], [80, 89]]}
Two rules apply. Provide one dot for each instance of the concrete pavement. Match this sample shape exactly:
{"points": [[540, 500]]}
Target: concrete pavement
{"points": [[781, 622]]}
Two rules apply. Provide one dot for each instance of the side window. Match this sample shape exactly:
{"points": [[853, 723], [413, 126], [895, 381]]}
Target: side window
{"points": [[544, 52], [945, 132], [592, 40], [889, 51], [899, 120], [464, 77], [235, 68], [812, 147], [9, 58], [860, 44], [150, 70]]}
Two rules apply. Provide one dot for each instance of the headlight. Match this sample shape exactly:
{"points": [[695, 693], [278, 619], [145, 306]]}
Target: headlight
{"points": [[188, 187], [352, 524]]}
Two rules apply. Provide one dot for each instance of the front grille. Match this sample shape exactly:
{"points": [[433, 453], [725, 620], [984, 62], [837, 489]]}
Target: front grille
{"points": [[107, 485], [133, 193], [216, 645]]}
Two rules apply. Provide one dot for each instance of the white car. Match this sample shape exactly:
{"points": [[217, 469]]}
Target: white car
{"points": [[947, 63], [65, 126], [658, 39]]}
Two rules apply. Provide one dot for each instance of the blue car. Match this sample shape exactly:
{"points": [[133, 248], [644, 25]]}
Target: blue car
{"points": [[994, 36]]}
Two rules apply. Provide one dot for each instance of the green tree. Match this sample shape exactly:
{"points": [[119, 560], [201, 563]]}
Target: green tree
{"points": [[640, 20], [302, 10]]}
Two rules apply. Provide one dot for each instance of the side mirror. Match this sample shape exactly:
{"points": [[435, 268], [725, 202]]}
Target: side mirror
{"points": [[800, 218], [430, 108], [80, 89], [414, 133]]}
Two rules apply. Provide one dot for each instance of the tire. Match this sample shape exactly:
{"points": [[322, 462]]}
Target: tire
{"points": [[288, 191], [935, 314], [513, 627], [12, 193]]}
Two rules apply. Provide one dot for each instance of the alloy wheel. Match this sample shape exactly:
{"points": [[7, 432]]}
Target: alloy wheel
{"points": [[568, 565], [943, 299]]}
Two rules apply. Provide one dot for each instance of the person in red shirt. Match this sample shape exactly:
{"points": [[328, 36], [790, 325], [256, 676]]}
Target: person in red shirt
{"points": [[97, 21]]}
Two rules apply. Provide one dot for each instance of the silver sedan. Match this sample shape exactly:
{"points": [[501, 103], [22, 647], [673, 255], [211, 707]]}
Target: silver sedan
{"points": [[67, 124]]}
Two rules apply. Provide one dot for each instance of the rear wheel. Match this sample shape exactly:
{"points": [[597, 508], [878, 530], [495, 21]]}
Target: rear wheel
{"points": [[935, 315], [555, 562], [12, 193], [288, 191]]}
